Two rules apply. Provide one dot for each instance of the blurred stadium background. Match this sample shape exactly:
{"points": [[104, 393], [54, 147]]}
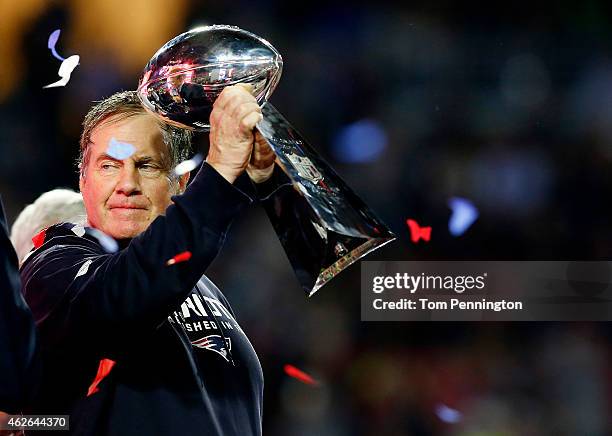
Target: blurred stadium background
{"points": [[509, 106]]}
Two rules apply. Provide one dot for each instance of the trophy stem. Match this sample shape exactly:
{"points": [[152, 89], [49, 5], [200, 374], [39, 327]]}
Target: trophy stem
{"points": [[322, 224]]}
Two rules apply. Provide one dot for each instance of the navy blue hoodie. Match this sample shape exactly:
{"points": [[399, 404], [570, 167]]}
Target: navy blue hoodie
{"points": [[182, 364]]}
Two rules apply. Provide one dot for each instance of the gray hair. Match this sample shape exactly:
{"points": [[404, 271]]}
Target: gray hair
{"points": [[123, 105], [56, 206]]}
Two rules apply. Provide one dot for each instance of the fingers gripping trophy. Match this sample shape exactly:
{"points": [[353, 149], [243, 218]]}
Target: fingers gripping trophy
{"points": [[326, 227]]}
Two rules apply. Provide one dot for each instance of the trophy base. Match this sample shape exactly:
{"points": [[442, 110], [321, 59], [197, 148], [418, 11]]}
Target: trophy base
{"points": [[316, 252], [334, 269]]}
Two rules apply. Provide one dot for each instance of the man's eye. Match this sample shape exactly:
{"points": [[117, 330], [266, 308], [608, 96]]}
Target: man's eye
{"points": [[149, 167], [108, 166]]}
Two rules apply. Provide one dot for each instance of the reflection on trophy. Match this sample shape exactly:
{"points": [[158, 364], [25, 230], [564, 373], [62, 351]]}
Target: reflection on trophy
{"points": [[321, 223]]}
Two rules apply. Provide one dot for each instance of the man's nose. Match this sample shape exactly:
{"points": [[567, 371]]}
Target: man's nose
{"points": [[129, 181]]}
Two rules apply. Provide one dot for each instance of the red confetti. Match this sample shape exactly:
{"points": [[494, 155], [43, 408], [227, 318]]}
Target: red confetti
{"points": [[181, 257], [417, 232], [39, 238], [292, 371], [104, 369]]}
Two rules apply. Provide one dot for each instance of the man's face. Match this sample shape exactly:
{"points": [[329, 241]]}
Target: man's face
{"points": [[122, 197]]}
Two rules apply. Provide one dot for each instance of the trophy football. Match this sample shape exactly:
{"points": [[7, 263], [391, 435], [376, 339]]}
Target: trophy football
{"points": [[321, 223]]}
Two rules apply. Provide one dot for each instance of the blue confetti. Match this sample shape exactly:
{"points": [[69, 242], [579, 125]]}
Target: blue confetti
{"points": [[360, 142], [52, 42], [108, 244], [119, 150], [463, 216], [448, 415]]}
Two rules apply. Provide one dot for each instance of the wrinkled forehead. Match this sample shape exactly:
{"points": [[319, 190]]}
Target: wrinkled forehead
{"points": [[142, 131]]}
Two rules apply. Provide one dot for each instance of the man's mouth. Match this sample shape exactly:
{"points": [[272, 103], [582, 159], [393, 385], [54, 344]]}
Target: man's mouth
{"points": [[127, 206], [127, 209]]}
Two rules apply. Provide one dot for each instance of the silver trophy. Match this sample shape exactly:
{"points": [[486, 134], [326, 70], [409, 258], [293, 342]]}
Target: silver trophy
{"points": [[321, 223]]}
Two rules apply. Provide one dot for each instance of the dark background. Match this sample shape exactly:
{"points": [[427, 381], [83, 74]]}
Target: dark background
{"points": [[508, 105]]}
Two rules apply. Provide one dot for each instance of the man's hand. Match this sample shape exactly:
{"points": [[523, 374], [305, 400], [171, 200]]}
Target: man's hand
{"points": [[261, 164], [233, 118]]}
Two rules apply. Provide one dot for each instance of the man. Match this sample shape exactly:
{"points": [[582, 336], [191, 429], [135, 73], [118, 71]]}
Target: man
{"points": [[52, 207], [17, 339], [161, 341]]}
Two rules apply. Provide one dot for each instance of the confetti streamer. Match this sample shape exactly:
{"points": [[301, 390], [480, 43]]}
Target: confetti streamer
{"points": [[181, 257], [448, 415], [300, 375], [52, 42], [188, 165], [65, 70], [417, 232], [119, 150], [104, 368], [463, 216], [108, 244]]}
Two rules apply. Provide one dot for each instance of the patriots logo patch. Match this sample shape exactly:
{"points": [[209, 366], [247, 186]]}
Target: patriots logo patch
{"points": [[215, 343]]}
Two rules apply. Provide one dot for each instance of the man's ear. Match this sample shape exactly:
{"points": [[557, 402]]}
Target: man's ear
{"points": [[81, 182], [183, 182]]}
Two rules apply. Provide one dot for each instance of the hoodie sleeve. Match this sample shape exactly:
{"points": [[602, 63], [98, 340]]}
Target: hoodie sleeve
{"points": [[78, 292]]}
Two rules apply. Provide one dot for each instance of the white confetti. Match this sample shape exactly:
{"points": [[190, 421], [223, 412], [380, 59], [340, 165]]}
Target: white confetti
{"points": [[83, 269], [188, 165], [78, 230], [65, 70]]}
